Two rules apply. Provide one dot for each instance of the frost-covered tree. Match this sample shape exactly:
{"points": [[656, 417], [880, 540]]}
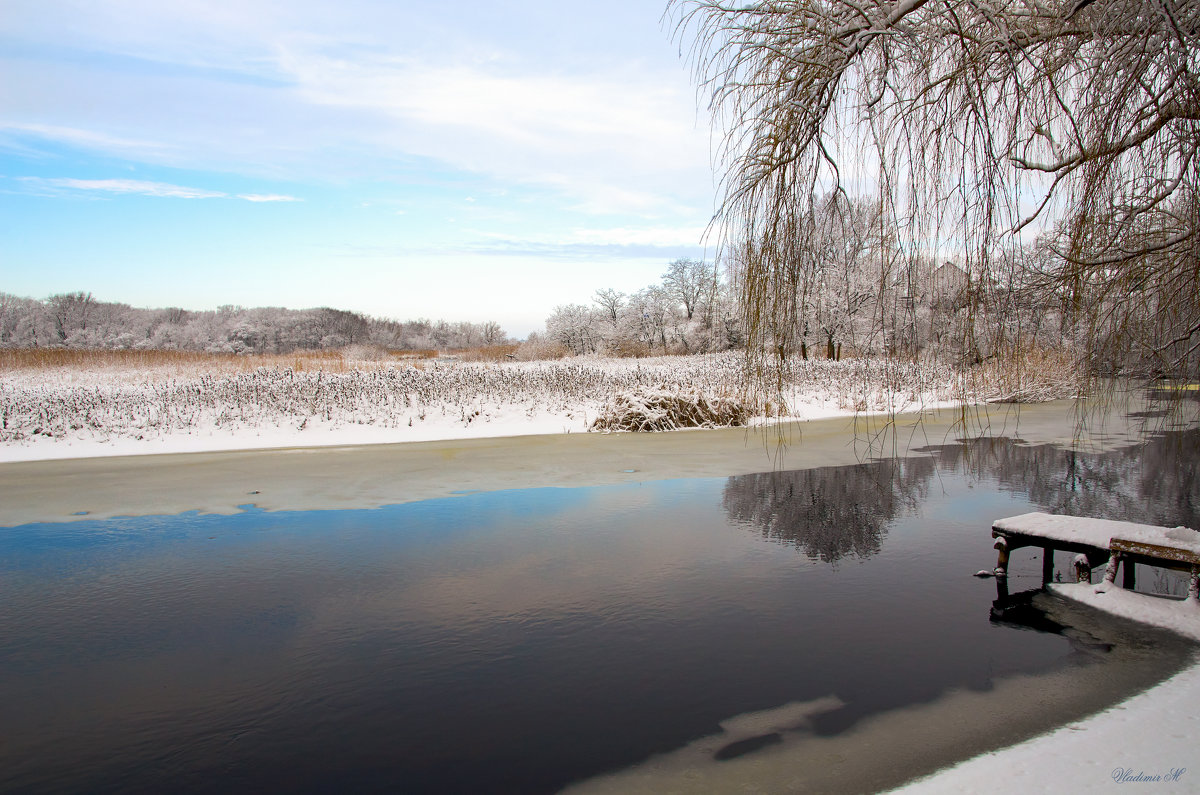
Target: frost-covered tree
{"points": [[69, 313], [851, 271], [978, 123], [611, 302], [689, 281], [574, 327], [653, 309], [491, 333], [77, 320]]}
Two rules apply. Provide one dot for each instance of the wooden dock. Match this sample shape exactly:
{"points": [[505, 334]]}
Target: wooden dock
{"points": [[1096, 541]]}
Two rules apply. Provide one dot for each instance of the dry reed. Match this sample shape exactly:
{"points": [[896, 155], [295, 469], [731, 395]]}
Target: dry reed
{"points": [[668, 410]]}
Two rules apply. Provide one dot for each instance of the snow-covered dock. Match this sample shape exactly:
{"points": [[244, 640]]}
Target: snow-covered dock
{"points": [[1098, 540]]}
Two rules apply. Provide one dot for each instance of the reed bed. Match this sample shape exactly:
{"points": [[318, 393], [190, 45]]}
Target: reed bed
{"points": [[1027, 376], [135, 393]]}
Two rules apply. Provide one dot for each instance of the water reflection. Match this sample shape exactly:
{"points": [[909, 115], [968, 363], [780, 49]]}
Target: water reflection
{"points": [[1026, 610], [830, 513], [1154, 483]]}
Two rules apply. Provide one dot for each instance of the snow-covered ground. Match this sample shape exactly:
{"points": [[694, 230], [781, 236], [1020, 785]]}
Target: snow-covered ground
{"points": [[80, 411]]}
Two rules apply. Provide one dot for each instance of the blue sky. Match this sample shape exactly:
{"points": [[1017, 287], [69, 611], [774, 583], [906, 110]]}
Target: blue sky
{"points": [[469, 161]]}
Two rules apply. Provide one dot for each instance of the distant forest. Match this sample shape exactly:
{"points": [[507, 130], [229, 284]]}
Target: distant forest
{"points": [[77, 320]]}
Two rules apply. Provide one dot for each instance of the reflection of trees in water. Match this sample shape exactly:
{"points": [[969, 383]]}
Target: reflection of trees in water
{"points": [[1155, 483], [830, 512]]}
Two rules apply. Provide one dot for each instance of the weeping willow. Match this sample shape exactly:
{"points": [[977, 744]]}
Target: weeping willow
{"points": [[1050, 148]]}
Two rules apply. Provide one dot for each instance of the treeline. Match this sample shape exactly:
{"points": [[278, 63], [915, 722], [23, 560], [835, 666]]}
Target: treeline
{"points": [[858, 303], [77, 320], [850, 287], [853, 292], [690, 311]]}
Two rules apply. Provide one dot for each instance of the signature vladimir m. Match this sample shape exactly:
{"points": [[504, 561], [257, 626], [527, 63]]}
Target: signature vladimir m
{"points": [[1127, 775]]}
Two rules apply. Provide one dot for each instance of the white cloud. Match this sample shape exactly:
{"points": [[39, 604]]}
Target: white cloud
{"points": [[658, 236], [651, 236], [139, 187], [308, 89], [614, 140], [92, 139], [268, 197], [126, 186]]}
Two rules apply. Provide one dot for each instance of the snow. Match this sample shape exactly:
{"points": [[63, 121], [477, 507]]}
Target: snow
{"points": [[512, 421], [1150, 738], [1182, 617]]}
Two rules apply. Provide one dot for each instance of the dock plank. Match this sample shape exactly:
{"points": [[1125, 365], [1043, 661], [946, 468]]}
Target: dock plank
{"points": [[1156, 551]]}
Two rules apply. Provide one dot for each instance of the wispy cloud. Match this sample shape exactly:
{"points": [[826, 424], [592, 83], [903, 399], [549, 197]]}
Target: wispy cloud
{"points": [[664, 237], [268, 197], [615, 140], [124, 187], [140, 187], [594, 245], [607, 130], [91, 139]]}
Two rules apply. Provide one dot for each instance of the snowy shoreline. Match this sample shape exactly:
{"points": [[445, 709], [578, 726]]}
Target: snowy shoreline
{"points": [[319, 434]]}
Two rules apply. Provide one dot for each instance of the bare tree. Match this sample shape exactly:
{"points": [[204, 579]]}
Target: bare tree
{"points": [[16, 315], [573, 327], [492, 333], [688, 281], [69, 313], [846, 280], [611, 303], [981, 124]]}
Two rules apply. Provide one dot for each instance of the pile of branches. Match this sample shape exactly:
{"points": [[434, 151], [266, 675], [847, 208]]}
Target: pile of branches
{"points": [[668, 410]]}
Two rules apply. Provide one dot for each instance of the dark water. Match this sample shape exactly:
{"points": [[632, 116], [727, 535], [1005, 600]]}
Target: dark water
{"points": [[524, 640]]}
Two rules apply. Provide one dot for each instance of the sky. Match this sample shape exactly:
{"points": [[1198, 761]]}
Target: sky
{"points": [[465, 161]]}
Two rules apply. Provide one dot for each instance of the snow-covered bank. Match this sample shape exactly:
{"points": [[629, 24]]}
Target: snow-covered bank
{"points": [[81, 412], [1152, 738]]}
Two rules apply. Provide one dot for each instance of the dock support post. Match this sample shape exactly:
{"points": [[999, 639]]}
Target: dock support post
{"points": [[1083, 569], [1194, 585], [1110, 571], [1128, 580], [1001, 547], [1047, 565]]}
